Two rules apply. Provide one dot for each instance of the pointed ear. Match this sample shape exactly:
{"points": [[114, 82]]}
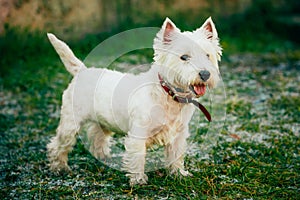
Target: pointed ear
{"points": [[210, 29], [168, 29]]}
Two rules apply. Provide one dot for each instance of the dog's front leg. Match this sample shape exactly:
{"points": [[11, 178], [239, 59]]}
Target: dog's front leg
{"points": [[134, 159], [175, 153]]}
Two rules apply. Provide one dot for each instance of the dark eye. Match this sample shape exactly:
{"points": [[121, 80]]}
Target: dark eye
{"points": [[207, 55], [184, 57]]}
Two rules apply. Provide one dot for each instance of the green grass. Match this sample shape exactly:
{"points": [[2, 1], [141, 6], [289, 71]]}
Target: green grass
{"points": [[257, 155]]}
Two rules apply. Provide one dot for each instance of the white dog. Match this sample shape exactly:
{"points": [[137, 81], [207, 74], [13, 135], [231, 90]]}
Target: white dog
{"points": [[152, 108]]}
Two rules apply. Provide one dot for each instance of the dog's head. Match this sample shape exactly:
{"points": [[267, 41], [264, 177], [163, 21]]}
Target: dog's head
{"points": [[188, 60]]}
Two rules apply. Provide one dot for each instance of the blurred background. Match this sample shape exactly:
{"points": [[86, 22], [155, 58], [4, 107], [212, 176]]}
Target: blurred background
{"points": [[258, 150], [75, 19], [256, 26]]}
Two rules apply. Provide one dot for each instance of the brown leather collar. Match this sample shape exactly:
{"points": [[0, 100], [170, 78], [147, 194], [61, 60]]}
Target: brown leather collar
{"points": [[180, 99]]}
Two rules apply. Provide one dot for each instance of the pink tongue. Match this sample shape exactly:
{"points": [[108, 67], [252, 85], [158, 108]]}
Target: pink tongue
{"points": [[200, 89]]}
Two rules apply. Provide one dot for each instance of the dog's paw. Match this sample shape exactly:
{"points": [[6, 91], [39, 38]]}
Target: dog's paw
{"points": [[180, 172], [101, 155], [60, 169], [137, 178], [185, 173]]}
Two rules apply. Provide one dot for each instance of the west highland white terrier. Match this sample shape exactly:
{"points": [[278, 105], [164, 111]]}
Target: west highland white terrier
{"points": [[154, 107]]}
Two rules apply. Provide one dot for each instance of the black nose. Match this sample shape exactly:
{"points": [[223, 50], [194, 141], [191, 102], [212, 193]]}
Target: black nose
{"points": [[204, 75]]}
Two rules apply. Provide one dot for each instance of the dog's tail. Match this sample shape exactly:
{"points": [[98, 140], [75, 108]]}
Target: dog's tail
{"points": [[72, 64]]}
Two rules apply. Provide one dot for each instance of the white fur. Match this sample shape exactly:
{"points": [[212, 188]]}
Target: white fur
{"points": [[108, 101]]}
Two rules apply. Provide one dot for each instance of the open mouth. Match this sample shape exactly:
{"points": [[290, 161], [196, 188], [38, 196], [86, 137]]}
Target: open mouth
{"points": [[199, 89]]}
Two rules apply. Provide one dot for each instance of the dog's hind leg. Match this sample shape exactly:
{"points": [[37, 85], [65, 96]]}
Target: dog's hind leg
{"points": [[61, 144], [99, 140]]}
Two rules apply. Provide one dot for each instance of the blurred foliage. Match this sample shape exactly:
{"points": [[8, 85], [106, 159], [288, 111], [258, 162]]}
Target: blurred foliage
{"points": [[259, 28], [262, 19]]}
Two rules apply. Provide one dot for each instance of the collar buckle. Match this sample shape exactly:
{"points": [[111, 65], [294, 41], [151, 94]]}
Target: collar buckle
{"points": [[168, 89]]}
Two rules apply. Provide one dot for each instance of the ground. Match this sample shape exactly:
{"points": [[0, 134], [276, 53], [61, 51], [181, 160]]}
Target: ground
{"points": [[257, 154]]}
